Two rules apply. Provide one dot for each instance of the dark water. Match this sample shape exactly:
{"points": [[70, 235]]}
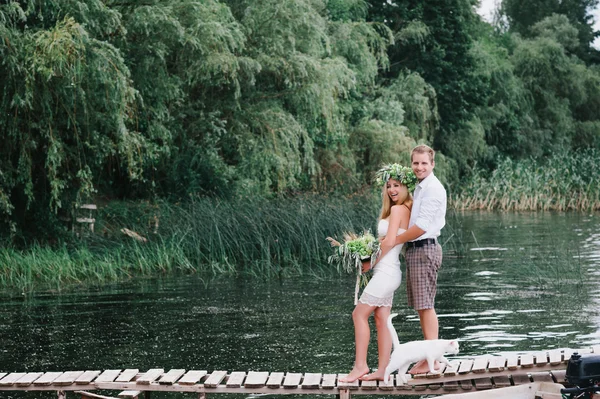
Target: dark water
{"points": [[509, 282]]}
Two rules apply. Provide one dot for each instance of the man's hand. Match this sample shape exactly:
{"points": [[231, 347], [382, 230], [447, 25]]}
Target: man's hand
{"points": [[399, 241]]}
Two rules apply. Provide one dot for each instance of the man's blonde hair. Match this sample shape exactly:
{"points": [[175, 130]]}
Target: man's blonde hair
{"points": [[423, 149]]}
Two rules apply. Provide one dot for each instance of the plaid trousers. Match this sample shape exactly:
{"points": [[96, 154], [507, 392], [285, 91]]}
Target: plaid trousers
{"points": [[422, 265]]}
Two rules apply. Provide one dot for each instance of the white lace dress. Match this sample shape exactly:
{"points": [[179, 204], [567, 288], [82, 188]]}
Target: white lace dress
{"points": [[387, 275]]}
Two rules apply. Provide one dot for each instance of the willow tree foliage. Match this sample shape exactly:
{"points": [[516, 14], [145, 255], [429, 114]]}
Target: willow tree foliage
{"points": [[127, 99], [68, 106], [181, 97]]}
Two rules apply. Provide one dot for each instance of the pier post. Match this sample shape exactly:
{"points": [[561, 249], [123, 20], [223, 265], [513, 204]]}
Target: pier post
{"points": [[344, 394], [61, 394]]}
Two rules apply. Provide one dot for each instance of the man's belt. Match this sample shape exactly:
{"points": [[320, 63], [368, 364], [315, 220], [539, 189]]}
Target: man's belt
{"points": [[421, 243]]}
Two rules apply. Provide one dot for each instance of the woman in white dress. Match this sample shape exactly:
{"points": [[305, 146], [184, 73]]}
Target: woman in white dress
{"points": [[398, 182]]}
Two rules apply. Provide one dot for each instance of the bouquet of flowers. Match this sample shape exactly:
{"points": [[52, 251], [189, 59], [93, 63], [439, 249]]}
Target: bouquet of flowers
{"points": [[352, 252]]}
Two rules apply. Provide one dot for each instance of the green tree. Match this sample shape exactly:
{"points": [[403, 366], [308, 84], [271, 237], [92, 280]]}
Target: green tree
{"points": [[67, 104], [434, 39], [522, 16]]}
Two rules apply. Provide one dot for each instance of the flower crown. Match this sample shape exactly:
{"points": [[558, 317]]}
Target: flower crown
{"points": [[403, 174]]}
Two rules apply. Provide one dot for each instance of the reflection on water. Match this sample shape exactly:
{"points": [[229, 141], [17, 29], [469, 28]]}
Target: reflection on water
{"points": [[509, 282]]}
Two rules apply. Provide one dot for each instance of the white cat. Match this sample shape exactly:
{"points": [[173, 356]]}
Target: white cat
{"points": [[405, 354]]}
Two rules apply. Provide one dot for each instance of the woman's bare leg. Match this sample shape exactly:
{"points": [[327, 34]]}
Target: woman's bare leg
{"points": [[362, 335], [384, 342]]}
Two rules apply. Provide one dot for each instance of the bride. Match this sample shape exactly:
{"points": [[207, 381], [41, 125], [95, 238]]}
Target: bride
{"points": [[398, 183]]}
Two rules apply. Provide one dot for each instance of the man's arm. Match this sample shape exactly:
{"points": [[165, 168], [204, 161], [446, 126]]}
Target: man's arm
{"points": [[412, 233]]}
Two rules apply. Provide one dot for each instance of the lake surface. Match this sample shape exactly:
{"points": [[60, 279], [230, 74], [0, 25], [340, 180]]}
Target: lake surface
{"points": [[509, 282]]}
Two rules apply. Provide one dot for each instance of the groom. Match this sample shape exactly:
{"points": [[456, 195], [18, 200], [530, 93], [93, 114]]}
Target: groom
{"points": [[423, 251]]}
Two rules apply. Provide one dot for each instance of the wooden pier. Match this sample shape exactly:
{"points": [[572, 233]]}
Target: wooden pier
{"points": [[463, 375]]}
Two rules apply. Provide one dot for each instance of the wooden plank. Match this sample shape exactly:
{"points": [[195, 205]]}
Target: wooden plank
{"points": [[215, 378], [127, 375], [420, 387], [67, 378], [311, 381], [236, 379], [256, 379], [11, 379], [434, 387], [437, 373], [420, 376], [497, 363], [404, 385], [501, 381], [512, 362], [483, 383], [129, 394], [87, 377], [276, 378], [368, 385], [526, 360], [555, 357], [450, 386], [559, 375], [480, 364], [465, 366], [108, 376], [346, 385], [292, 380], [401, 384], [452, 369], [520, 379], [171, 377], [328, 381], [541, 358], [542, 376], [466, 385], [596, 349], [192, 377], [150, 376], [28, 379], [47, 378], [390, 384]]}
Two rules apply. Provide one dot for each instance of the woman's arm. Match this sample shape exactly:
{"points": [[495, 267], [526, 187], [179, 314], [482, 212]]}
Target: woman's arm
{"points": [[399, 218]]}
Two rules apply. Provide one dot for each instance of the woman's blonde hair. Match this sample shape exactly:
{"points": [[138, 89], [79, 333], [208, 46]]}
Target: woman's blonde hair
{"points": [[386, 203]]}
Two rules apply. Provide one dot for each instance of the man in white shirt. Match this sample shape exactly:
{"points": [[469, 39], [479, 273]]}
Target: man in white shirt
{"points": [[423, 251]]}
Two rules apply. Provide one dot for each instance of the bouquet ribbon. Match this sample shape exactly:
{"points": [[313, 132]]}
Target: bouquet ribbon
{"points": [[358, 274]]}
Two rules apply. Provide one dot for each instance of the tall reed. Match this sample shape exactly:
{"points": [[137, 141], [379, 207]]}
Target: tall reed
{"points": [[254, 237], [562, 182]]}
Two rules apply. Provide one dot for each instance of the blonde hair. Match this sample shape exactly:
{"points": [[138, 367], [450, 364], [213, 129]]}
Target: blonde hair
{"points": [[423, 149], [386, 203]]}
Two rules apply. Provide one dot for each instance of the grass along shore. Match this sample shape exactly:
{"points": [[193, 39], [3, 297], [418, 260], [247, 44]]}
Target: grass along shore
{"points": [[561, 183]]}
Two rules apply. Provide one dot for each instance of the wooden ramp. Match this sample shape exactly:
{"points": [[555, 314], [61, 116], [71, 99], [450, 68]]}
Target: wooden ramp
{"points": [[463, 375]]}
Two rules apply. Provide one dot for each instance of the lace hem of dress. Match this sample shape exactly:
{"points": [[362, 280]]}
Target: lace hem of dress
{"points": [[371, 300]]}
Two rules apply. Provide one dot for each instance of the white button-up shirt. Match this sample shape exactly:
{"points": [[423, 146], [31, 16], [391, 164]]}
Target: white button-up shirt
{"points": [[429, 207]]}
